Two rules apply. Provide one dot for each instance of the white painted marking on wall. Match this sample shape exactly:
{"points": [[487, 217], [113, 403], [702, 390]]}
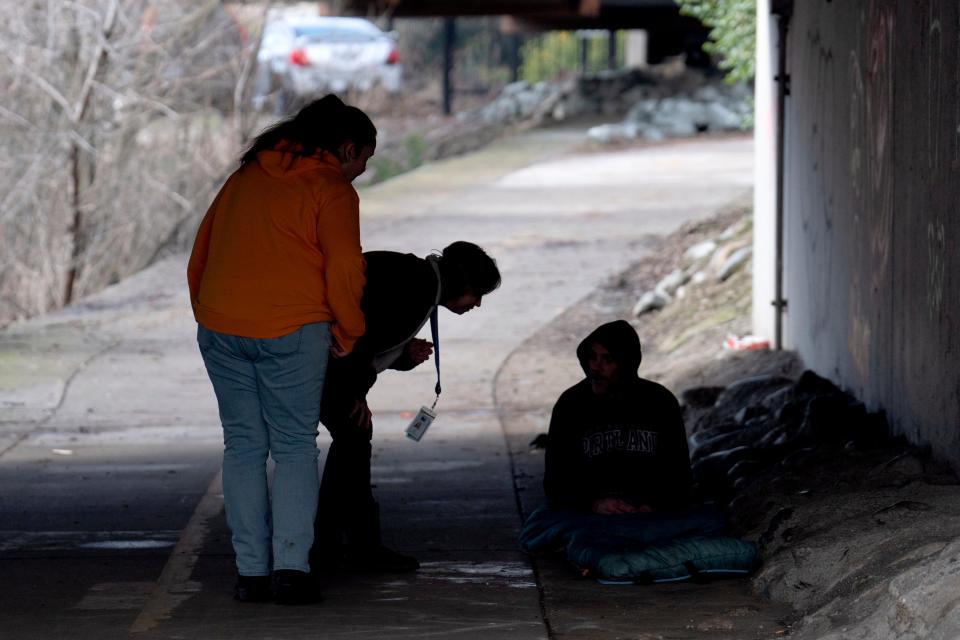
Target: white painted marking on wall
{"points": [[174, 585]]}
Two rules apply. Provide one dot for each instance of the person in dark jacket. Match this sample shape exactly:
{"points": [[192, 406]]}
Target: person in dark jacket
{"points": [[616, 443], [401, 293]]}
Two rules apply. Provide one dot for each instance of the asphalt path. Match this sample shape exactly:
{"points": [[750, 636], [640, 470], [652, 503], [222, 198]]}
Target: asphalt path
{"points": [[111, 520]]}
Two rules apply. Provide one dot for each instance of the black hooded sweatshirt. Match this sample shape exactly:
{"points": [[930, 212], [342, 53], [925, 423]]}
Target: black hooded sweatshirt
{"points": [[629, 443]]}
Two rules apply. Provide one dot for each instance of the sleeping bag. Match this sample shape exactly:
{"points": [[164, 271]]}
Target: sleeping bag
{"points": [[641, 547]]}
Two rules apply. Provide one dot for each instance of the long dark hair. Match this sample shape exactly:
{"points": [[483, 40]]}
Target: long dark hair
{"points": [[322, 125]]}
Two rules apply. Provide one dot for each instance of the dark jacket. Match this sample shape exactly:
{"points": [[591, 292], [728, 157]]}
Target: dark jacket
{"points": [[629, 443], [400, 293]]}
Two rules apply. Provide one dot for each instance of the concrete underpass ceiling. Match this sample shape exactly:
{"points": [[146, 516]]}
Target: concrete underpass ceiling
{"points": [[540, 14]]}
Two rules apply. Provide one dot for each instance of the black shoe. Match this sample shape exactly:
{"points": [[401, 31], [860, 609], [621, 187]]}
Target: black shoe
{"points": [[253, 589], [295, 587], [378, 559]]}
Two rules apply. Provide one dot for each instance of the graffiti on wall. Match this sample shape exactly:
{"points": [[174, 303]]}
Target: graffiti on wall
{"points": [[813, 189], [936, 266], [877, 276], [856, 130], [859, 336], [879, 106], [936, 230], [871, 76], [934, 85]]}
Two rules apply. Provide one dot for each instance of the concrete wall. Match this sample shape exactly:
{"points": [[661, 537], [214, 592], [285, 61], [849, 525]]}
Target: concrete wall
{"points": [[873, 206]]}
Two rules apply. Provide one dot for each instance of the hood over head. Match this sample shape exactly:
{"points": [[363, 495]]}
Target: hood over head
{"points": [[620, 339]]}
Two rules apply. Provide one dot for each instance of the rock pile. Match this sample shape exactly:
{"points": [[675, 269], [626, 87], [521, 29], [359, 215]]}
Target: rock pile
{"points": [[613, 93], [656, 116], [517, 102], [716, 259], [658, 103], [610, 93]]}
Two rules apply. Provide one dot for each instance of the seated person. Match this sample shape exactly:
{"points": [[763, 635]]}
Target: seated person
{"points": [[617, 443], [618, 478]]}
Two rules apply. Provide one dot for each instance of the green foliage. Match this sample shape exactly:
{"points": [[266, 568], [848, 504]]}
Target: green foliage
{"points": [[547, 56], [416, 146], [733, 33], [385, 168], [556, 54], [390, 163], [481, 56]]}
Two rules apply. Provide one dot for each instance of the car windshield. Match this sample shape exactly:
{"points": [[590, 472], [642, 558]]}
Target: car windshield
{"points": [[332, 34]]}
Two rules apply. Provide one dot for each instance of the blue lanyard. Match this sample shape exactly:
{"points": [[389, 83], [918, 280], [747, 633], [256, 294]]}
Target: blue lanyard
{"points": [[436, 351]]}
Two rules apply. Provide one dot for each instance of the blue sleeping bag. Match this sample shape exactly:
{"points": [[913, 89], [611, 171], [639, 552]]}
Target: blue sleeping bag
{"points": [[641, 547]]}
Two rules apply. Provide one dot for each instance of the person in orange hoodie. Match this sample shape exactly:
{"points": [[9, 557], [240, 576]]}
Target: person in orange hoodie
{"points": [[276, 277]]}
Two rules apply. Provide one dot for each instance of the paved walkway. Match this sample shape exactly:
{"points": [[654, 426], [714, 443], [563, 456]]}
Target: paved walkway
{"points": [[109, 443]]}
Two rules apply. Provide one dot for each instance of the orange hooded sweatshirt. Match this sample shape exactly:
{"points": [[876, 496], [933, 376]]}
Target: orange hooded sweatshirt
{"points": [[280, 248]]}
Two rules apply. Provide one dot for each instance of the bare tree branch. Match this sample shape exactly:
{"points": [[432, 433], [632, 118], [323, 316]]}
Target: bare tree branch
{"points": [[184, 203], [16, 117], [131, 98], [77, 115], [119, 118], [81, 142], [24, 182], [250, 62], [41, 82], [98, 59]]}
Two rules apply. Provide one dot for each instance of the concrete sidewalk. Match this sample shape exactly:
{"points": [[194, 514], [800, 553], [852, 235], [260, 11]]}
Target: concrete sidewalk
{"points": [[109, 442]]}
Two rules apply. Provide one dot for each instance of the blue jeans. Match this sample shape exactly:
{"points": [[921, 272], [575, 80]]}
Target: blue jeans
{"points": [[268, 391]]}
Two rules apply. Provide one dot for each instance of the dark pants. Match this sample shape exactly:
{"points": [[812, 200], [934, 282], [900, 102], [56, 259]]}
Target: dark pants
{"points": [[346, 510]]}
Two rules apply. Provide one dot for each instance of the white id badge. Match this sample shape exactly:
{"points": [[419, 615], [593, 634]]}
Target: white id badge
{"points": [[418, 426]]}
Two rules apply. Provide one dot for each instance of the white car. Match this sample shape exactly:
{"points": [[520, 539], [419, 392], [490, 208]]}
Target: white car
{"points": [[309, 56]]}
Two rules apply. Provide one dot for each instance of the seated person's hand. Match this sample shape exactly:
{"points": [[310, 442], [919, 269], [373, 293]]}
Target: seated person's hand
{"points": [[610, 506], [336, 351], [418, 351]]}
